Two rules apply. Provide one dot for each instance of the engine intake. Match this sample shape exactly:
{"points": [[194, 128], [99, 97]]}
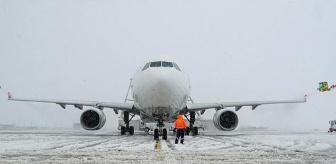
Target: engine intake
{"points": [[92, 119], [225, 120]]}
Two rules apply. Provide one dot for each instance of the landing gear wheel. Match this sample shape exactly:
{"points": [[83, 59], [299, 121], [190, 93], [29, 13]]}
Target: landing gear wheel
{"points": [[187, 131], [131, 130], [156, 134], [195, 131], [164, 134], [122, 130]]}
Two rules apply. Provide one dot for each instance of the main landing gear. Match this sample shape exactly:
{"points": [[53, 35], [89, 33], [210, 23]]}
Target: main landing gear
{"points": [[127, 128], [193, 129], [160, 131]]}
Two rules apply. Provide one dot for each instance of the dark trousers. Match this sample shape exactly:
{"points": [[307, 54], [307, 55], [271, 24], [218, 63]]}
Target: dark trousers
{"points": [[179, 133]]}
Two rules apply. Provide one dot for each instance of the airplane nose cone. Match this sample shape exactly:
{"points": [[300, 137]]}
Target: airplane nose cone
{"points": [[162, 85]]}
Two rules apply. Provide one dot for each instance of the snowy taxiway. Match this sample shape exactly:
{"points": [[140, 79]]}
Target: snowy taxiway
{"points": [[76, 146]]}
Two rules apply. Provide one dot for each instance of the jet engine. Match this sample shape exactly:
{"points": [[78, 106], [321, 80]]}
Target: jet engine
{"points": [[92, 119], [225, 120]]}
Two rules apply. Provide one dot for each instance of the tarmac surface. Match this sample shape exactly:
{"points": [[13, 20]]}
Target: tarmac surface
{"points": [[79, 146]]}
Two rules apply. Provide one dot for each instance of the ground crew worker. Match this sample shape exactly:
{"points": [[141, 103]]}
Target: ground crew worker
{"points": [[180, 126]]}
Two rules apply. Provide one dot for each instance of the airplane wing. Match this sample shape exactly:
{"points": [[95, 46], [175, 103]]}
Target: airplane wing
{"points": [[80, 104], [238, 105]]}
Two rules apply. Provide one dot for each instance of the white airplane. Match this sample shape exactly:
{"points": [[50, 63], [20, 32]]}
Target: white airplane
{"points": [[161, 91]]}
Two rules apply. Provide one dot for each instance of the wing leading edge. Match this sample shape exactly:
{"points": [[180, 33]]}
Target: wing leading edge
{"points": [[238, 105], [80, 104]]}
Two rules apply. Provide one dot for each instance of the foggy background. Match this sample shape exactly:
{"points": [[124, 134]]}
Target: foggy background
{"points": [[232, 51]]}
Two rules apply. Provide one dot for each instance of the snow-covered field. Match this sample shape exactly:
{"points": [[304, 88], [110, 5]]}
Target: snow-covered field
{"points": [[71, 146]]}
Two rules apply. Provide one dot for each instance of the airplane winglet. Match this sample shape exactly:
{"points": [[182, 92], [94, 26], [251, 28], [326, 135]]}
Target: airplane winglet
{"points": [[9, 95]]}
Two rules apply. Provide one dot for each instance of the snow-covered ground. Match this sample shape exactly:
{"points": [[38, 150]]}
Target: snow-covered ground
{"points": [[71, 146]]}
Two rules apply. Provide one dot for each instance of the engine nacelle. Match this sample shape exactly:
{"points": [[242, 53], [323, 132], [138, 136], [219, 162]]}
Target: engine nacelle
{"points": [[226, 120], [92, 119]]}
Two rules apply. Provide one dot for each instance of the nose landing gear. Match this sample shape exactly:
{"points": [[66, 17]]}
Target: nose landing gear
{"points": [[160, 131]]}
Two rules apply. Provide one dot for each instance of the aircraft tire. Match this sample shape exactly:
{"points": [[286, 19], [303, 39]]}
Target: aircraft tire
{"points": [[156, 134], [195, 131], [187, 131], [131, 130], [123, 130], [164, 134]]}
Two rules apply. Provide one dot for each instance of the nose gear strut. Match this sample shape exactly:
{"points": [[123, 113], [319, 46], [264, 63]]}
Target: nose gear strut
{"points": [[160, 130]]}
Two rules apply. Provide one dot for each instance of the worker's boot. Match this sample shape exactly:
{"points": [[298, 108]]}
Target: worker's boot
{"points": [[182, 141], [176, 141]]}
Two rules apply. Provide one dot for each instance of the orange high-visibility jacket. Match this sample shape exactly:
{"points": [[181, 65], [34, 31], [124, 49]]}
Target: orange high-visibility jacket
{"points": [[180, 123]]}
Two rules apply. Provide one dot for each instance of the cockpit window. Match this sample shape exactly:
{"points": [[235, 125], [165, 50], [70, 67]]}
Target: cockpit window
{"points": [[161, 64], [146, 66], [176, 67], [167, 64], [155, 64]]}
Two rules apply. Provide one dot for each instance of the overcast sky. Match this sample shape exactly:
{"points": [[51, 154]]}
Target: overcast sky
{"points": [[232, 51]]}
